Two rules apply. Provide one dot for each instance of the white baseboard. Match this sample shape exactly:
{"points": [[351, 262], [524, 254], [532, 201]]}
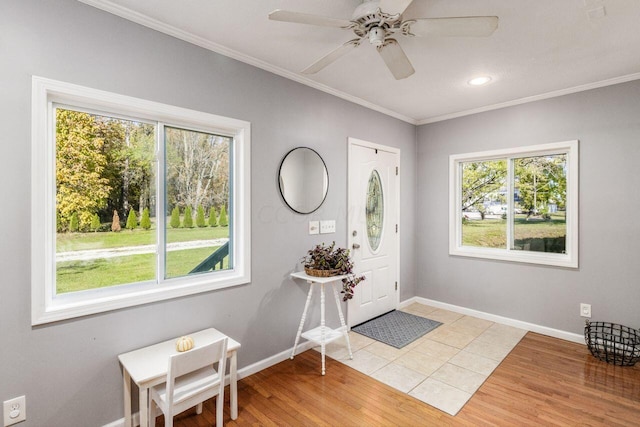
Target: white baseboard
{"points": [[242, 373], [120, 423], [544, 330], [273, 360]]}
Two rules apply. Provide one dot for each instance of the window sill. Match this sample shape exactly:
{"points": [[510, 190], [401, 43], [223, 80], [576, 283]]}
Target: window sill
{"points": [[529, 257], [69, 306]]}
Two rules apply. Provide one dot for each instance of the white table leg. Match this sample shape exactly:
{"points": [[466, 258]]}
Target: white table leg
{"points": [[233, 386], [126, 379], [342, 322], [144, 406], [304, 316], [322, 326]]}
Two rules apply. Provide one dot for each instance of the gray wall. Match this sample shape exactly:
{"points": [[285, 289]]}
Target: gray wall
{"points": [[68, 370], [607, 123]]}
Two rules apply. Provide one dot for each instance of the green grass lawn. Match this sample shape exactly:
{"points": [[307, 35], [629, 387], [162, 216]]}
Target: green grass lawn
{"points": [[492, 233], [82, 275], [487, 233], [97, 273]]}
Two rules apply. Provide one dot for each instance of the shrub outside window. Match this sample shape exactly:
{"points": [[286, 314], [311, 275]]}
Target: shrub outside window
{"points": [[516, 204], [133, 201]]}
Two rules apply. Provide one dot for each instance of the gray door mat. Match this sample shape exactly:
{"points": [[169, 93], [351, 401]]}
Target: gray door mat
{"points": [[396, 328]]}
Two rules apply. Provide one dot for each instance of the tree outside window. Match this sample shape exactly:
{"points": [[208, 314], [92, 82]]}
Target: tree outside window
{"points": [[105, 167]]}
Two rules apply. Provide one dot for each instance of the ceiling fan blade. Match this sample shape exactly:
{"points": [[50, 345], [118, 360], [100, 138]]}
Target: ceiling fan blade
{"points": [[305, 18], [469, 26], [394, 6], [331, 57], [396, 59]]}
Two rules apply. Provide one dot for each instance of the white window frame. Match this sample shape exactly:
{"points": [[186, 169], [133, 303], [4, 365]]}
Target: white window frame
{"points": [[569, 259], [45, 305]]}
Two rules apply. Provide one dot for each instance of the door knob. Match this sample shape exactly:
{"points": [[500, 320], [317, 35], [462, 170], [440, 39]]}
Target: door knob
{"points": [[356, 246]]}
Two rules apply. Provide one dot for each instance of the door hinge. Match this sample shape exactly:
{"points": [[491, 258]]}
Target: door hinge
{"points": [[396, 228], [396, 170], [396, 286]]}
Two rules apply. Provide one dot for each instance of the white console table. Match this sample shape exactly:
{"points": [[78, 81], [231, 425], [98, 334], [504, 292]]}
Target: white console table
{"points": [[322, 334]]}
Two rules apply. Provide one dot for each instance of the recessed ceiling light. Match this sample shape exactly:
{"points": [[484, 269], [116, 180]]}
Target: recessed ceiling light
{"points": [[479, 81]]}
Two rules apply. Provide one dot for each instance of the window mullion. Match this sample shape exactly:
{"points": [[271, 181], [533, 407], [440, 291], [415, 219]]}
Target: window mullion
{"points": [[458, 204], [161, 209], [232, 202], [510, 203]]}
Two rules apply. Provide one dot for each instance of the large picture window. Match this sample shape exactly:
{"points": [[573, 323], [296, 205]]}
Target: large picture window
{"points": [[518, 204], [133, 201]]}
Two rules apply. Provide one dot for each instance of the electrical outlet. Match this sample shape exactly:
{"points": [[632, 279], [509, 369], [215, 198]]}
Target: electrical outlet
{"points": [[15, 410], [585, 310]]}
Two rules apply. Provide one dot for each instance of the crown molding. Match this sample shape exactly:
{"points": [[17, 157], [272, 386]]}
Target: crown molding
{"points": [[162, 27], [553, 94]]}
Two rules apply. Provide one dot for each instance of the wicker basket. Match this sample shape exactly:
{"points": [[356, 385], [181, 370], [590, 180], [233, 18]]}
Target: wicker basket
{"points": [[320, 273], [613, 343]]}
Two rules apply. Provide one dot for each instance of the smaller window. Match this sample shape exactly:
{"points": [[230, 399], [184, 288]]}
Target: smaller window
{"points": [[517, 205]]}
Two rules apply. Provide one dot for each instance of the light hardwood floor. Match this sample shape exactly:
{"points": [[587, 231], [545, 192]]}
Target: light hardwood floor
{"points": [[543, 382]]}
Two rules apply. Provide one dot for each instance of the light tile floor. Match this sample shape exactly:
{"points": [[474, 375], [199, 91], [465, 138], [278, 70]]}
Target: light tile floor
{"points": [[442, 368]]}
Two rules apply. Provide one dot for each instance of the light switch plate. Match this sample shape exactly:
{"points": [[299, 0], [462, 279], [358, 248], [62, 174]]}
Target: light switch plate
{"points": [[314, 227], [328, 226]]}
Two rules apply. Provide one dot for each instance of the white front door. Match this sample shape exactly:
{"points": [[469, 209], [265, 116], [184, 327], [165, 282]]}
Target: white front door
{"points": [[373, 228]]}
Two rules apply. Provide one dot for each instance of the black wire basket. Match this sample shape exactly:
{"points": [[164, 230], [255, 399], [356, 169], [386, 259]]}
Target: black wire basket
{"points": [[613, 343]]}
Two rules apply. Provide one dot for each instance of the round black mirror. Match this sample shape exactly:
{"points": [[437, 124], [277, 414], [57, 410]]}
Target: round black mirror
{"points": [[303, 180]]}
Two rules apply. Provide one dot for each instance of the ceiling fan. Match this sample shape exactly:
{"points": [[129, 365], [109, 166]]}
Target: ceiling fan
{"points": [[379, 21]]}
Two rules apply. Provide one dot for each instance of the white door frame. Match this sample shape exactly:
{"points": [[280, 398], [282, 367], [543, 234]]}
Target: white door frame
{"points": [[362, 143]]}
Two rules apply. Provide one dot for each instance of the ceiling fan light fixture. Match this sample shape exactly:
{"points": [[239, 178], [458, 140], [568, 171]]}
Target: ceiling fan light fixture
{"points": [[479, 81], [376, 36]]}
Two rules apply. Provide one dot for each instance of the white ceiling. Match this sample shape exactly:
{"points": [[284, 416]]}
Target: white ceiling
{"points": [[542, 48]]}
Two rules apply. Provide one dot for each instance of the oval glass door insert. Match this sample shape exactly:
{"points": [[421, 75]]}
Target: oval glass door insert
{"points": [[374, 210]]}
